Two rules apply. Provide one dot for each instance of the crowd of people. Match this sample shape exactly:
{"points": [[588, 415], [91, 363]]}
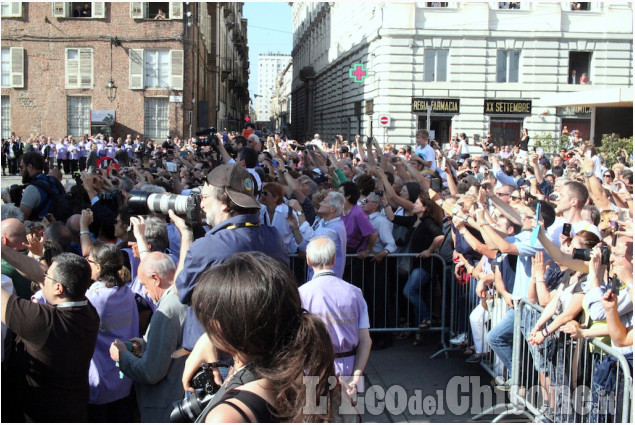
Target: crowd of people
{"points": [[116, 305]]}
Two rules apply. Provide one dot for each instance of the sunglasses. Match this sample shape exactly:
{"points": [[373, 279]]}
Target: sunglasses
{"points": [[502, 194], [607, 175], [515, 198]]}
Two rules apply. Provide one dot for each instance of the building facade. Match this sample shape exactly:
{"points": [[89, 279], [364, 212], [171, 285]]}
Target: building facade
{"points": [[164, 58], [269, 66], [453, 67], [281, 100]]}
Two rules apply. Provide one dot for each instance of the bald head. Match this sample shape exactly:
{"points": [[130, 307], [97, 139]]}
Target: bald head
{"points": [[156, 273], [73, 226], [13, 233]]}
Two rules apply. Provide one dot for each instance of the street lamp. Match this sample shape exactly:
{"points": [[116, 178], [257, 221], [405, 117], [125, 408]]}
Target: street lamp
{"points": [[112, 90], [111, 87]]}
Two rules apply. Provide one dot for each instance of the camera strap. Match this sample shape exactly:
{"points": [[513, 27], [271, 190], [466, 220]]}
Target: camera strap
{"points": [[241, 377], [239, 225]]}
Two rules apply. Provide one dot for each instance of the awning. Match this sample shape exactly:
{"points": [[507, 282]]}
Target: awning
{"points": [[608, 97]]}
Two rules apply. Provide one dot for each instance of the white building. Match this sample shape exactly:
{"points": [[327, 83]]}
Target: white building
{"points": [[479, 66], [281, 99], [269, 66]]}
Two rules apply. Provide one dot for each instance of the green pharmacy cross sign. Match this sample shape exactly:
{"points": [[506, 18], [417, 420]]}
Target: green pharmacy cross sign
{"points": [[358, 73]]}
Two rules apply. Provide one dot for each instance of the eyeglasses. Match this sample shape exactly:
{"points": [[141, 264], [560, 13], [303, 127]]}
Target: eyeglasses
{"points": [[502, 194], [607, 175], [90, 261], [264, 193], [46, 276], [515, 198]]}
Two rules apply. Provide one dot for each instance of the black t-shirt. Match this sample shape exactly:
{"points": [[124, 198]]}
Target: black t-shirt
{"points": [[422, 236], [53, 352]]}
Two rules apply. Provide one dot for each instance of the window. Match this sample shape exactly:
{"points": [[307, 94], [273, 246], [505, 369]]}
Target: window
{"points": [[156, 10], [156, 117], [78, 115], [12, 67], [94, 9], [507, 63], [585, 5], [509, 5], [11, 9], [6, 117], [156, 69], [579, 68], [79, 68], [435, 65]]}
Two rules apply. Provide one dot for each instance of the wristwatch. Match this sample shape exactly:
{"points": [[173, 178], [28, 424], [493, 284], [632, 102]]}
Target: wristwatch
{"points": [[298, 212], [588, 175]]}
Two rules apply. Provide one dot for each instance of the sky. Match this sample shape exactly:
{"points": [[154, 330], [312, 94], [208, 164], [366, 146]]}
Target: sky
{"points": [[269, 30]]}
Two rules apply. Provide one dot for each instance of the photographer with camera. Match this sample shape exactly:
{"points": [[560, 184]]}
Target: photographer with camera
{"points": [[251, 308], [148, 361], [232, 213]]}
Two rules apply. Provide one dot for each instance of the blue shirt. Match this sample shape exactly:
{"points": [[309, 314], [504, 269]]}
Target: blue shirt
{"points": [[526, 251], [214, 248], [333, 229]]}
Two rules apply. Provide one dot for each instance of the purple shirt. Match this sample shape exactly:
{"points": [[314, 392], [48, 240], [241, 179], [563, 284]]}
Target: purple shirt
{"points": [[62, 152], [342, 308], [358, 228], [119, 319]]}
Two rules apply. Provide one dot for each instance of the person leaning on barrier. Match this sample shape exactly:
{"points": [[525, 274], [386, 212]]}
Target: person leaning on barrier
{"points": [[251, 308], [232, 213], [344, 311], [156, 375]]}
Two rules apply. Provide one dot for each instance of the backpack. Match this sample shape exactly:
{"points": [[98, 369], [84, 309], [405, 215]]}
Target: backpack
{"points": [[58, 203]]}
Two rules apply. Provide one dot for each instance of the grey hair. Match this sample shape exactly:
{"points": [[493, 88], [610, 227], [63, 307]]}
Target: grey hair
{"points": [[157, 234], [376, 198], [126, 183], [11, 211], [161, 264], [337, 202], [321, 252], [152, 188], [313, 187]]}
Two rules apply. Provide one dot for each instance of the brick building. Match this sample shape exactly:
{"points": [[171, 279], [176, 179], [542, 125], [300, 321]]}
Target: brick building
{"points": [[168, 63]]}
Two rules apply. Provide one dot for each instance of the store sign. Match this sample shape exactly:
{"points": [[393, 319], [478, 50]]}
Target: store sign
{"points": [[507, 107], [574, 111], [438, 106]]}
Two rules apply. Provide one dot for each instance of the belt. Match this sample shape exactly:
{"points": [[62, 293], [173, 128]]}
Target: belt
{"points": [[346, 353]]}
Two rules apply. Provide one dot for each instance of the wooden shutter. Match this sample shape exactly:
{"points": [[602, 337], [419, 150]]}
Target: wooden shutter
{"points": [[72, 70], [17, 67], [16, 9], [59, 9], [98, 9], [176, 10], [86, 68], [136, 68], [176, 69], [136, 9]]}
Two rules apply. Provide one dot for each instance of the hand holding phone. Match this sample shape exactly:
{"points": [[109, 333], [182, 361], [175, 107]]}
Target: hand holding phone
{"points": [[566, 229]]}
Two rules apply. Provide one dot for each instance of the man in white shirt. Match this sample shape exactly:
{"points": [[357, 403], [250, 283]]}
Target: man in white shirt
{"points": [[572, 197]]}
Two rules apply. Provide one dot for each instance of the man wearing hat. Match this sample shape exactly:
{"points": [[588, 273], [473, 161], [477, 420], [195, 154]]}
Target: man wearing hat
{"points": [[232, 213]]}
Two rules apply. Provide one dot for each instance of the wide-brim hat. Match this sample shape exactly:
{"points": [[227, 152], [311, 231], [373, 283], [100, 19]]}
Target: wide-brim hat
{"points": [[237, 182]]}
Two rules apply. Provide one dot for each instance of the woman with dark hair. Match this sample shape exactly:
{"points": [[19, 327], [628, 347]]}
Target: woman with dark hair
{"points": [[426, 239], [117, 309], [274, 213], [250, 308]]}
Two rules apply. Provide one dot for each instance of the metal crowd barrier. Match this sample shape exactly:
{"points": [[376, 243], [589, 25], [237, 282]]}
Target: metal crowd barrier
{"points": [[565, 379], [383, 283]]}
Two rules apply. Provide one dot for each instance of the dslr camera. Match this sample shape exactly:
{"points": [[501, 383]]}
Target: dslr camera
{"points": [[142, 203], [188, 409], [211, 139], [585, 254]]}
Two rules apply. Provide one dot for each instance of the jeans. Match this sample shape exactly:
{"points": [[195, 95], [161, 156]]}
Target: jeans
{"points": [[413, 292], [500, 339]]}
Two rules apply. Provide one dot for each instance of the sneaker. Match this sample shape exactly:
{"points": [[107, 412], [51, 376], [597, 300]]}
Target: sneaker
{"points": [[459, 339], [474, 358]]}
